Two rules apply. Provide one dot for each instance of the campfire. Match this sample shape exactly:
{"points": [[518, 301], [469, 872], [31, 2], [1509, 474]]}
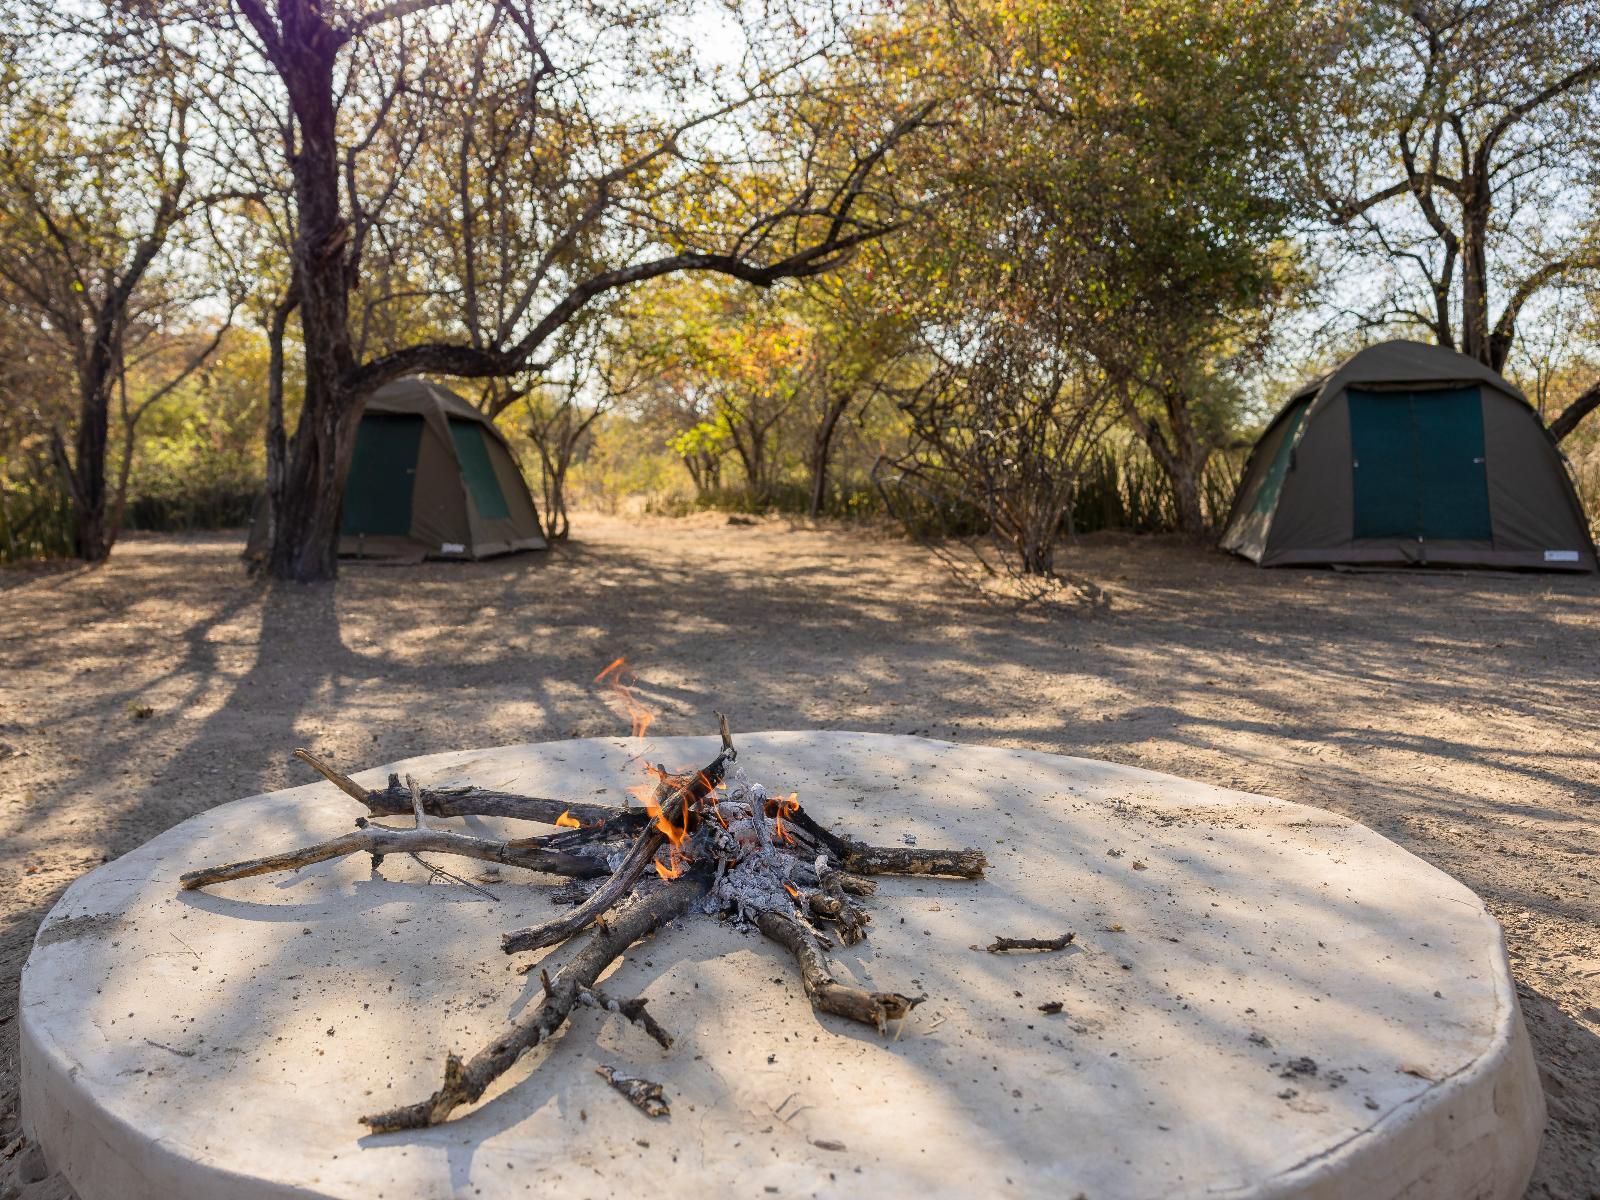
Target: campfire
{"points": [[710, 841]]}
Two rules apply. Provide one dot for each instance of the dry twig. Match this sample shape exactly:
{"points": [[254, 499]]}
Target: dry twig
{"points": [[1001, 945]]}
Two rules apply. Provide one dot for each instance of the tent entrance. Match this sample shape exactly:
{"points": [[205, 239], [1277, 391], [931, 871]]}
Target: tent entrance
{"points": [[1272, 483], [383, 473], [1418, 465], [478, 471]]}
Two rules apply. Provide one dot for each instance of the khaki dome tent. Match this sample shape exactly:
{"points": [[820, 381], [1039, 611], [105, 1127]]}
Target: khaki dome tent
{"points": [[431, 477], [1409, 453]]}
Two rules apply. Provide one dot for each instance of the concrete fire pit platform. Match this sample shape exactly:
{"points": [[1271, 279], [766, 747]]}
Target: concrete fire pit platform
{"points": [[1264, 1000]]}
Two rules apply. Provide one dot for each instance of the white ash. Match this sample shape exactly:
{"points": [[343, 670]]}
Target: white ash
{"points": [[756, 883]]}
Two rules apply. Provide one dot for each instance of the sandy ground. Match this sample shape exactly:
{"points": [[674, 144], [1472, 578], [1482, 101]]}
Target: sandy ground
{"points": [[1457, 714]]}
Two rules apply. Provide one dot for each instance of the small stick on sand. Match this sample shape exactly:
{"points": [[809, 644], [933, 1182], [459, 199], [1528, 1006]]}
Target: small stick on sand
{"points": [[1002, 944], [644, 1095]]}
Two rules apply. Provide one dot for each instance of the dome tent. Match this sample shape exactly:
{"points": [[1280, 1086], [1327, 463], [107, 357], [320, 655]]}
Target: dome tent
{"points": [[1409, 453], [431, 477]]}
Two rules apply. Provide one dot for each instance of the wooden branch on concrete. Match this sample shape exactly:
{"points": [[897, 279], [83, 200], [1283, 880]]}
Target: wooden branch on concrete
{"points": [[890, 860], [379, 840], [634, 1010], [462, 801], [485, 802], [343, 782], [466, 1082], [825, 992]]}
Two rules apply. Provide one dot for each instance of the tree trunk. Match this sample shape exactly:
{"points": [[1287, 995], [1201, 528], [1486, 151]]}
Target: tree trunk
{"points": [[305, 514], [1185, 477], [119, 500], [1475, 339], [1182, 458], [277, 439], [822, 450], [305, 525], [92, 540]]}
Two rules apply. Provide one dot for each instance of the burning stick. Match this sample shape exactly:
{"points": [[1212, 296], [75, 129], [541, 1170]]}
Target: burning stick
{"points": [[672, 812], [464, 1083], [483, 802]]}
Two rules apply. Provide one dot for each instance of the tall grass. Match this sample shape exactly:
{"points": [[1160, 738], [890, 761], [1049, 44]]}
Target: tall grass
{"points": [[35, 518], [1123, 489], [1120, 488], [177, 507]]}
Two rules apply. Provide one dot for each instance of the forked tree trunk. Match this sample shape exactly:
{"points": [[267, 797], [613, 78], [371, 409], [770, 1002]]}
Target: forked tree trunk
{"points": [[306, 508]]}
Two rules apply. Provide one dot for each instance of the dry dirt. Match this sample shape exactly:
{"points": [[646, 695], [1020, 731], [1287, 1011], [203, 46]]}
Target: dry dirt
{"points": [[1458, 714]]}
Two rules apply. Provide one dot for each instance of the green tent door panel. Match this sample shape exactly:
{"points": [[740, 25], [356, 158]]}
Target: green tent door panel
{"points": [[383, 475], [1272, 483], [482, 485], [1417, 461]]}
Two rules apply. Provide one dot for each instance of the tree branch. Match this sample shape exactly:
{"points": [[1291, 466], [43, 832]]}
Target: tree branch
{"points": [[1568, 419]]}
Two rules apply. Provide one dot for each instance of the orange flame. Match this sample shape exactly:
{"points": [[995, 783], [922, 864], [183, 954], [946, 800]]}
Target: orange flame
{"points": [[785, 808], [673, 867], [567, 821], [646, 795], [639, 716], [794, 892]]}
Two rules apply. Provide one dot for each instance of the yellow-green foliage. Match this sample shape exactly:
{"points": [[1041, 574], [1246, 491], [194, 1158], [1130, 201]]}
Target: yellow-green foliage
{"points": [[198, 456], [629, 461]]}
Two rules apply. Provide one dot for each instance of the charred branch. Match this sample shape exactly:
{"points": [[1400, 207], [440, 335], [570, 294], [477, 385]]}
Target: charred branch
{"points": [[644, 1095], [485, 802], [891, 860], [465, 1082], [466, 801]]}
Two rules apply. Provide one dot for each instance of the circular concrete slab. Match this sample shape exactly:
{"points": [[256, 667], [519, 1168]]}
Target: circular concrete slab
{"points": [[1264, 1000]]}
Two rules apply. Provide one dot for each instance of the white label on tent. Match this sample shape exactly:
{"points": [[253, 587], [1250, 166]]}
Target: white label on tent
{"points": [[1561, 556], [459, 548]]}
